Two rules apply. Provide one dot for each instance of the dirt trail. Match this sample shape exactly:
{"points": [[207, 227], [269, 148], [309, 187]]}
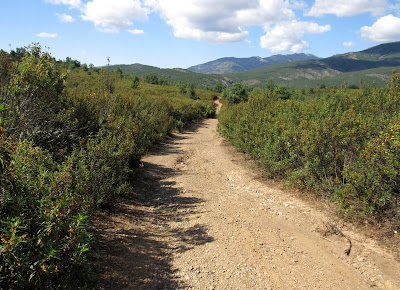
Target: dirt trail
{"points": [[201, 218]]}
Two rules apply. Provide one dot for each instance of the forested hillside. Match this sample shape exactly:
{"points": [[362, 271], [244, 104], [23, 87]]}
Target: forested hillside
{"points": [[70, 139], [233, 65], [173, 76], [373, 65]]}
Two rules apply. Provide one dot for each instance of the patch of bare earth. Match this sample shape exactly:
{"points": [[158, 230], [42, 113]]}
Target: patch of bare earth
{"points": [[383, 77], [252, 82], [201, 218]]}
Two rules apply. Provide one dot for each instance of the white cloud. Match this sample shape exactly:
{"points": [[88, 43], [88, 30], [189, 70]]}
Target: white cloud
{"points": [[288, 36], [71, 3], [112, 16], [136, 31], [348, 44], [343, 8], [386, 28], [219, 21], [47, 35], [213, 21], [65, 18]]}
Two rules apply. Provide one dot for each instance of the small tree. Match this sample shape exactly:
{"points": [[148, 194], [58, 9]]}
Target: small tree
{"points": [[151, 78], [84, 67], [353, 87], [181, 87], [18, 54], [192, 92], [163, 82], [119, 72], [237, 94], [270, 85], [35, 99], [134, 81], [283, 92], [219, 88]]}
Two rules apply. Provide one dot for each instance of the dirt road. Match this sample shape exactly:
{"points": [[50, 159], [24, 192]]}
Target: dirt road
{"points": [[202, 218]]}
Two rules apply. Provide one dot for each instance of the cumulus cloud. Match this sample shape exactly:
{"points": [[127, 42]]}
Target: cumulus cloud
{"points": [[344, 8], [288, 36], [47, 35], [386, 28], [112, 16], [136, 31], [65, 18], [219, 21], [348, 44], [71, 3], [213, 21]]}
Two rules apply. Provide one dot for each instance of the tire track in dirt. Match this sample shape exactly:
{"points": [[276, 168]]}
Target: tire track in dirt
{"points": [[201, 218]]}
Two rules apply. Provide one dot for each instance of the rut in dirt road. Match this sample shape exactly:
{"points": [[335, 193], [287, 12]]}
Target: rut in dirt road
{"points": [[202, 219]]}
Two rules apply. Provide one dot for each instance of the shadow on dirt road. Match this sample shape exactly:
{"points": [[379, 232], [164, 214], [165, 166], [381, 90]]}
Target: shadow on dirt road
{"points": [[137, 239]]}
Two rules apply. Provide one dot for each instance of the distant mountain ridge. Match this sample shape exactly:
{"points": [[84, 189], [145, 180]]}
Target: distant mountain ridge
{"points": [[233, 65], [372, 65]]}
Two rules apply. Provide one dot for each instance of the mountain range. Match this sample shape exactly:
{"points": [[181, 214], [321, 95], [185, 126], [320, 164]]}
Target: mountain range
{"points": [[373, 65], [233, 65]]}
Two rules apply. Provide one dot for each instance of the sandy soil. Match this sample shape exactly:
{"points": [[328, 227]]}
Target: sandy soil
{"points": [[203, 218]]}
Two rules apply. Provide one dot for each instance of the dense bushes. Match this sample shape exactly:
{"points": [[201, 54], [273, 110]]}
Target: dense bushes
{"points": [[68, 143], [343, 143], [44, 221], [237, 93], [374, 179]]}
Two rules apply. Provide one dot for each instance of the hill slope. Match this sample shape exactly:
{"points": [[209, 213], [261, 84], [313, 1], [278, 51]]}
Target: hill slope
{"points": [[371, 65], [174, 75], [233, 64]]}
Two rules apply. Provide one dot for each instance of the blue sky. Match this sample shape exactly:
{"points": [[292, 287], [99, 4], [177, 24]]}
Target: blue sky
{"points": [[182, 33]]}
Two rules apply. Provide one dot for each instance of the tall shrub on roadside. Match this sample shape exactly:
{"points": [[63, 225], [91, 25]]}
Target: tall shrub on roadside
{"points": [[342, 144], [44, 222], [373, 182]]}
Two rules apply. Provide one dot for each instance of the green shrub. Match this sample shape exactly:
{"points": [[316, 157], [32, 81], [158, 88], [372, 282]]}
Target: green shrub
{"points": [[341, 144], [218, 87], [44, 221], [134, 81], [34, 99], [73, 142], [373, 182], [236, 94], [283, 92], [181, 87]]}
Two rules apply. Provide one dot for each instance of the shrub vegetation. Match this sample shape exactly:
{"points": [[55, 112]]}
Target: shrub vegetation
{"points": [[342, 143], [70, 137]]}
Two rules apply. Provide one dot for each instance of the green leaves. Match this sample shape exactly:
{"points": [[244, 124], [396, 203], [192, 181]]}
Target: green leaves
{"points": [[42, 220], [236, 94], [134, 81], [344, 143], [375, 177], [75, 145]]}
